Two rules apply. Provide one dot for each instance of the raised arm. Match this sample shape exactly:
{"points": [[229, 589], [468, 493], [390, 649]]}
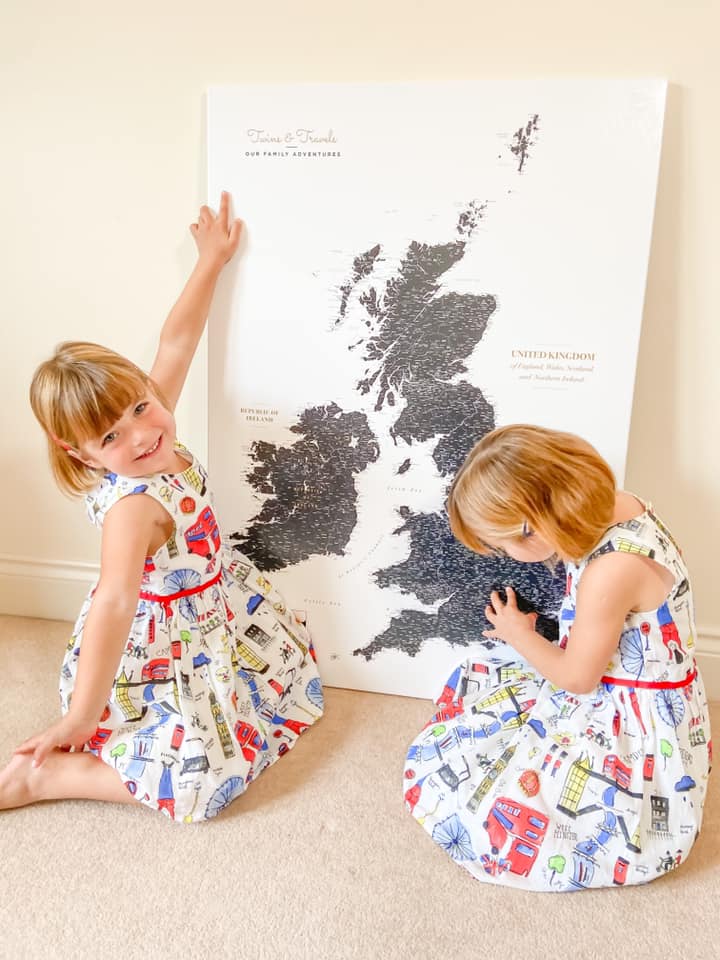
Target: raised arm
{"points": [[217, 239], [608, 591], [127, 532]]}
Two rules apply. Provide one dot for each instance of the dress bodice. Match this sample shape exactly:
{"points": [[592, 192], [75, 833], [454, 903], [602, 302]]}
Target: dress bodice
{"points": [[655, 645], [191, 555]]}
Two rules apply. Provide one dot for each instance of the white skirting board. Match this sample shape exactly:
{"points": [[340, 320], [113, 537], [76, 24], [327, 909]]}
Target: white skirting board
{"points": [[55, 591], [49, 590]]}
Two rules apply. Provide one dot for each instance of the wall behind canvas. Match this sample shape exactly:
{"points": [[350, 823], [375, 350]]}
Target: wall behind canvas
{"points": [[102, 170]]}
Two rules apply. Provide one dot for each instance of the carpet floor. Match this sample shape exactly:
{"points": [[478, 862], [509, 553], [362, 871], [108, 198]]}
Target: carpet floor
{"points": [[317, 860]]}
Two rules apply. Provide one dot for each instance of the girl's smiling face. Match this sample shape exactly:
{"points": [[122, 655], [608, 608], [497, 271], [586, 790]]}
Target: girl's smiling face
{"points": [[141, 442]]}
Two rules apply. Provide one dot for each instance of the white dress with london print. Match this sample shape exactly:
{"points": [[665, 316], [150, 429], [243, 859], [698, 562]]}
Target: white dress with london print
{"points": [[217, 679], [525, 784]]}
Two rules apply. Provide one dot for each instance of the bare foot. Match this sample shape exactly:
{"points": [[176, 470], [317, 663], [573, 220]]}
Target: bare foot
{"points": [[62, 776], [17, 781]]}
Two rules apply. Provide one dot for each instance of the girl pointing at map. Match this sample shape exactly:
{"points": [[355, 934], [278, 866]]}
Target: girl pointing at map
{"points": [[186, 674]]}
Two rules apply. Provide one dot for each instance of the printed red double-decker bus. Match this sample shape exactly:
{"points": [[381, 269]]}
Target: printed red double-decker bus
{"points": [[250, 739], [618, 771], [157, 669], [526, 826], [198, 536]]}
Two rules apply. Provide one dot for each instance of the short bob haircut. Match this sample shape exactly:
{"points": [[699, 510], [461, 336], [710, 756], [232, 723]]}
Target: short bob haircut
{"points": [[523, 476], [77, 395]]}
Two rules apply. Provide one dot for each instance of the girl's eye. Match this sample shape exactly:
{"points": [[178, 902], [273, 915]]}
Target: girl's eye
{"points": [[108, 438], [526, 531], [141, 407]]}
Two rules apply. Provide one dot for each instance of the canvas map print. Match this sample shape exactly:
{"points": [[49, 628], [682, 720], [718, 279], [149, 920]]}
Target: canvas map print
{"points": [[422, 262]]}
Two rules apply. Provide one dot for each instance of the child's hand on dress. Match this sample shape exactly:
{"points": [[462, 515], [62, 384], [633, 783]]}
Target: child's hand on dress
{"points": [[216, 237], [68, 732], [507, 620]]}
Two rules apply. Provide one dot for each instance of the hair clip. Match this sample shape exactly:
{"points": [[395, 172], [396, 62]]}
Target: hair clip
{"points": [[61, 443]]}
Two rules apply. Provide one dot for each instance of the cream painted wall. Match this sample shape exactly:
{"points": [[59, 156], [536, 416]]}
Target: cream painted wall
{"points": [[102, 170]]}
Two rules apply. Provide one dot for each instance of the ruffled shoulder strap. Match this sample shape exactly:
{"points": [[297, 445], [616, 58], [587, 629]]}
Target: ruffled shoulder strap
{"points": [[647, 536], [111, 489]]}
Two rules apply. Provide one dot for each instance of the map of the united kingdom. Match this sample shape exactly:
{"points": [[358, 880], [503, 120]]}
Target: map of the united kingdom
{"points": [[423, 261], [417, 337]]}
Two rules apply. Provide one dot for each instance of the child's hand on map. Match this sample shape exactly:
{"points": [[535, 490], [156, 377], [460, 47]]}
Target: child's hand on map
{"points": [[217, 238]]}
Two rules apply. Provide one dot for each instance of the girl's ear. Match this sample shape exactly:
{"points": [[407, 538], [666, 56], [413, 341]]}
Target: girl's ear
{"points": [[76, 456]]}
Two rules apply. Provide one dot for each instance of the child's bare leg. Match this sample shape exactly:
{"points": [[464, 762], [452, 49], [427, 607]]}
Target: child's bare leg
{"points": [[63, 776]]}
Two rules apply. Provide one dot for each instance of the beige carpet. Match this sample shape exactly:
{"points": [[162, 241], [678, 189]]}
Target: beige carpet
{"points": [[318, 859]]}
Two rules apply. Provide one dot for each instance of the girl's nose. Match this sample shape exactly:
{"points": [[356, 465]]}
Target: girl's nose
{"points": [[142, 442]]}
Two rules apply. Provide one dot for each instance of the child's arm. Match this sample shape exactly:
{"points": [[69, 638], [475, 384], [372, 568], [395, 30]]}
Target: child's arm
{"points": [[607, 592], [217, 240], [127, 532]]}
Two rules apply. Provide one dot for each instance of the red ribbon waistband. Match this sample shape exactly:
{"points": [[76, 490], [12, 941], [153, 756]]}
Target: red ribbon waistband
{"points": [[651, 684], [165, 598]]}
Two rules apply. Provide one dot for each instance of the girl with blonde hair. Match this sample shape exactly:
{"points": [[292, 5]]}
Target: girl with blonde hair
{"points": [[582, 763], [186, 675]]}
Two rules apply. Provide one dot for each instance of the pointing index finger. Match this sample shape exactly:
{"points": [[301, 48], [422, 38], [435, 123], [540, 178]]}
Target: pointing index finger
{"points": [[223, 212]]}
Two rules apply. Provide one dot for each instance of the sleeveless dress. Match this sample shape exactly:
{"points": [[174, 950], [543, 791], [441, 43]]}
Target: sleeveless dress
{"points": [[528, 785], [218, 678]]}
